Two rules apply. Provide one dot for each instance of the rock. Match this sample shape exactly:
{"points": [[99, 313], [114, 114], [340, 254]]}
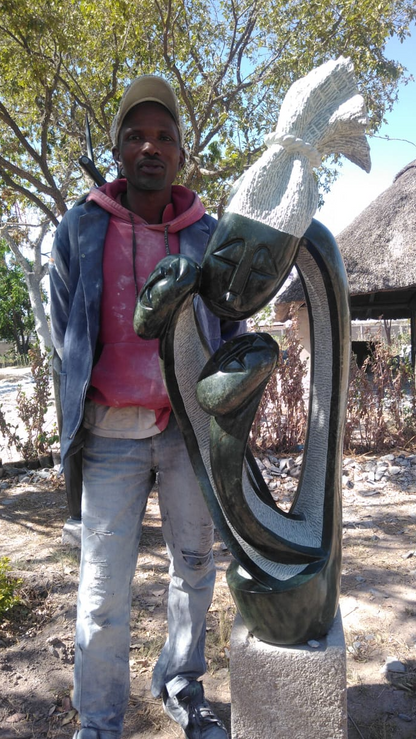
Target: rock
{"points": [[43, 474], [394, 470], [15, 718], [13, 471], [378, 593], [314, 644], [379, 473], [392, 664]]}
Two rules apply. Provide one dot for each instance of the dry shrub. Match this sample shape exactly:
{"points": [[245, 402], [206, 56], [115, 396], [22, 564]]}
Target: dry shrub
{"points": [[280, 423], [381, 411], [31, 410]]}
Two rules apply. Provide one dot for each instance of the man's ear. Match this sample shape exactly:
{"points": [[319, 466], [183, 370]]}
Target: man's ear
{"points": [[182, 158], [116, 155]]}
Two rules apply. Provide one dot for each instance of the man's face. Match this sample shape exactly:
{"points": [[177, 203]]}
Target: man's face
{"points": [[149, 149]]}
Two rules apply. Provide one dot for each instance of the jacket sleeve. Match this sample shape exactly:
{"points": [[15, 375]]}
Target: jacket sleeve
{"points": [[59, 285]]}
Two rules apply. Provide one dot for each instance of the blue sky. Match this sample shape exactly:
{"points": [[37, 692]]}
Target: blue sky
{"points": [[355, 189]]}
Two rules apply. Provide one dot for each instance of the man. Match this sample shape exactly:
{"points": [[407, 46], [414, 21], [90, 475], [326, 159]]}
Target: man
{"points": [[115, 407]]}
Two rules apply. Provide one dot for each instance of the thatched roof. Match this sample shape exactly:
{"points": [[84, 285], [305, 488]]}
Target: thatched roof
{"points": [[379, 252]]}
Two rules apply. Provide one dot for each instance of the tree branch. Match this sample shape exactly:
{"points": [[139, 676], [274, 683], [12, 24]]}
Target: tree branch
{"points": [[30, 196], [25, 175]]}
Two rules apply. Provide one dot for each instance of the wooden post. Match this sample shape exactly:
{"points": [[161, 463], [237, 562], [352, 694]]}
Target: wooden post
{"points": [[413, 334]]}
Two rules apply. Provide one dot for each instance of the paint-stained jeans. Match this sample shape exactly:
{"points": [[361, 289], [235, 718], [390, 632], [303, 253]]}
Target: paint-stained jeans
{"points": [[118, 477]]}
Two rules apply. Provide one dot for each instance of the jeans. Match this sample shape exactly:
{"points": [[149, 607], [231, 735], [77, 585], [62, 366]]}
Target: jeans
{"points": [[118, 476]]}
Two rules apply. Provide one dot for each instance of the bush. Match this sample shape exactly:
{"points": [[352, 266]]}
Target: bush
{"points": [[32, 410], [280, 423], [8, 585], [381, 410]]}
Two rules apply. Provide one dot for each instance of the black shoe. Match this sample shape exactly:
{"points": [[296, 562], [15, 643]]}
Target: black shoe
{"points": [[193, 713]]}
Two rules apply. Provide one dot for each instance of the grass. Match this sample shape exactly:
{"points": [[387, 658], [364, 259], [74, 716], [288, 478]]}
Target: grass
{"points": [[8, 588], [66, 558], [220, 624]]}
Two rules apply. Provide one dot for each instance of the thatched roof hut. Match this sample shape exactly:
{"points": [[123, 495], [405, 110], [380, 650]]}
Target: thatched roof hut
{"points": [[379, 252]]}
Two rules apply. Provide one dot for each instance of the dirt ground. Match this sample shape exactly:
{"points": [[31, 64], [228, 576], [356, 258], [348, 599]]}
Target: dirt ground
{"points": [[36, 642]]}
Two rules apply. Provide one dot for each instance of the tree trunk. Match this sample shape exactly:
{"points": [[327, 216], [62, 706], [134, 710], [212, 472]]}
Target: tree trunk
{"points": [[33, 282], [387, 329], [34, 274]]}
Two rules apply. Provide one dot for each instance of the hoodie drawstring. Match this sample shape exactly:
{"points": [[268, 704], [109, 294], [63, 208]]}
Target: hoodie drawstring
{"points": [[134, 250]]}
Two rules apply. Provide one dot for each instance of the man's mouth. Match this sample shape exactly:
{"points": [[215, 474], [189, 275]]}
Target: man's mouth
{"points": [[150, 166]]}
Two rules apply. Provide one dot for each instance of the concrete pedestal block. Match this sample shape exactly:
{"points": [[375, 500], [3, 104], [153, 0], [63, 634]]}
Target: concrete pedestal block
{"points": [[71, 533], [284, 692]]}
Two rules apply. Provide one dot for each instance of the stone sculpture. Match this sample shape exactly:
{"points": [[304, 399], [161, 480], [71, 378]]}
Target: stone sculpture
{"points": [[286, 571]]}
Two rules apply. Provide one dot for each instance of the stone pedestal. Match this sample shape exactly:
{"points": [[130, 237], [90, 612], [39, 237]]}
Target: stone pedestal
{"points": [[71, 533], [283, 692]]}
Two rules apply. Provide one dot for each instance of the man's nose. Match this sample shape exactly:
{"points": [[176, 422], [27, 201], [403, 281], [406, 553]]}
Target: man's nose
{"points": [[150, 146]]}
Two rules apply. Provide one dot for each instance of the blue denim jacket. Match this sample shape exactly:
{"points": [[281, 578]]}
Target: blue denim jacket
{"points": [[76, 283]]}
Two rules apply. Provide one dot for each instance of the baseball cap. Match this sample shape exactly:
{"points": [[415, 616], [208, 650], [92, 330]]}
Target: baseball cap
{"points": [[147, 88]]}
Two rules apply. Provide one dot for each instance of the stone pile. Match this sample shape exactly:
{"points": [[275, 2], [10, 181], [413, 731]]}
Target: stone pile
{"points": [[281, 473], [12, 475], [371, 474]]}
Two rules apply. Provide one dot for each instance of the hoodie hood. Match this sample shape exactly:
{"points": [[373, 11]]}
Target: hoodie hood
{"points": [[184, 209]]}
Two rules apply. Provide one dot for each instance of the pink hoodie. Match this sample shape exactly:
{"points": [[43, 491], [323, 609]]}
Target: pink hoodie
{"points": [[127, 372]]}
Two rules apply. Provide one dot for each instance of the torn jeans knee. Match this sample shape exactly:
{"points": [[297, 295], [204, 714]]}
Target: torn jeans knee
{"points": [[197, 560]]}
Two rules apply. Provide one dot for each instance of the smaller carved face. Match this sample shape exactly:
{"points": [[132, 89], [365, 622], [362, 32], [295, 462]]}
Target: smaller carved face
{"points": [[173, 279], [235, 372], [245, 264]]}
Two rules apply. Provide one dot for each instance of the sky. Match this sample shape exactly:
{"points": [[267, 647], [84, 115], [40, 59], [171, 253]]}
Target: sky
{"points": [[355, 189]]}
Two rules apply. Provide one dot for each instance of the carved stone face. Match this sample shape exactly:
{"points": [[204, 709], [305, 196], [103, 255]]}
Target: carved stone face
{"points": [[235, 372], [244, 266], [174, 278]]}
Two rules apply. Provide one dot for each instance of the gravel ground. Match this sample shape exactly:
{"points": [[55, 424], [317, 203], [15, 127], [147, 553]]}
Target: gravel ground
{"points": [[378, 601]]}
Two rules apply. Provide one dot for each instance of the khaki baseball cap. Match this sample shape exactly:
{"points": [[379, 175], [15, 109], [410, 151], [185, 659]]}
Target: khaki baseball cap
{"points": [[148, 88]]}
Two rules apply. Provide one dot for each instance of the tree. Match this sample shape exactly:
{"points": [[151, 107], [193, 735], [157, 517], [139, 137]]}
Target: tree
{"points": [[20, 238], [230, 63], [16, 316]]}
